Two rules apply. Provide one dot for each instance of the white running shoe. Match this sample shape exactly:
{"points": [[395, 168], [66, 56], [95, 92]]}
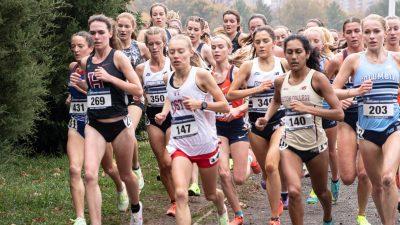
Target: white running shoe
{"points": [[79, 221], [137, 218], [140, 178], [122, 199]]}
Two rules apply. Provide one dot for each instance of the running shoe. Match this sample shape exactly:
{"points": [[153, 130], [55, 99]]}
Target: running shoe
{"points": [[238, 220], [122, 200], [79, 221], [305, 171], [362, 220], [172, 210], [194, 190], [328, 223], [140, 178], [335, 191], [137, 218], [255, 167], [223, 219], [274, 221], [312, 198], [263, 184]]}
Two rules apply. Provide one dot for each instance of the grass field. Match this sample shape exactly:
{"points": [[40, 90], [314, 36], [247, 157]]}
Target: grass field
{"points": [[36, 191]]}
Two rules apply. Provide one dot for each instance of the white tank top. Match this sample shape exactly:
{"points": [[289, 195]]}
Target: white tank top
{"points": [[192, 132], [153, 84], [259, 102], [303, 131]]}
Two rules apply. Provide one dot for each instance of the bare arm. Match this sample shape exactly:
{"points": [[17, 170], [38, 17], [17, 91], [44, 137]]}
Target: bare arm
{"points": [[123, 64], [144, 51], [206, 81], [207, 55]]}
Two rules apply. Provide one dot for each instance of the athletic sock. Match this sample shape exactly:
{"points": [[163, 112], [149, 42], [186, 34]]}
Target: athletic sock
{"points": [[335, 181], [284, 196], [239, 213], [135, 168], [135, 208]]}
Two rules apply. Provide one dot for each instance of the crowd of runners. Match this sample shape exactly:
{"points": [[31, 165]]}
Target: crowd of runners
{"points": [[223, 104]]}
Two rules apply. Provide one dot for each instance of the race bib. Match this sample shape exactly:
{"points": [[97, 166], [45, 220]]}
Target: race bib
{"points": [[99, 98], [261, 103], [156, 99], [298, 122], [183, 127], [78, 106], [378, 110]]}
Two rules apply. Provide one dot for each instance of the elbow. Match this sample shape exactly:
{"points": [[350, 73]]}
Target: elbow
{"points": [[226, 108], [229, 96], [340, 115]]}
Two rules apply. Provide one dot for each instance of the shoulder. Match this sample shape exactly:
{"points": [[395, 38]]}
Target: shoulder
{"points": [[278, 52], [247, 65], [72, 65], [279, 80], [202, 73], [284, 64], [119, 55], [141, 45], [396, 56], [140, 69], [319, 77]]}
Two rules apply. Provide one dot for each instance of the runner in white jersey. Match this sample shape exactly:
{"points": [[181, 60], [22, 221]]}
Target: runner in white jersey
{"points": [[190, 94], [301, 92], [255, 80], [151, 74]]}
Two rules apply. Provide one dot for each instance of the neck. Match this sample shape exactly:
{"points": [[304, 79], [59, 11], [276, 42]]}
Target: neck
{"points": [[126, 43], [183, 72], [393, 48], [196, 44], [375, 54], [220, 67], [267, 59], [157, 60], [360, 48], [300, 73], [232, 36], [102, 53]]}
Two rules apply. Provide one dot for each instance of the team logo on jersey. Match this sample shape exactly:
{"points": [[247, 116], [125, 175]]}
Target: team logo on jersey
{"points": [[303, 88], [147, 74], [213, 159], [257, 73], [94, 82]]}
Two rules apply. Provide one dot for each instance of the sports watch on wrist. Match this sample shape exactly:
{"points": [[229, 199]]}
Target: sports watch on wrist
{"points": [[204, 105]]}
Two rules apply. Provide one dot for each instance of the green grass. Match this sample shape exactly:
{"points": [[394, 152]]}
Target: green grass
{"points": [[36, 191]]}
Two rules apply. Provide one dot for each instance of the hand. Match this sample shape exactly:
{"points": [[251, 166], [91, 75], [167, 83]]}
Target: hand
{"points": [[68, 100], [346, 103], [261, 123], [102, 75], [298, 106], [264, 86], [160, 118], [191, 103], [233, 114], [365, 87], [77, 81]]}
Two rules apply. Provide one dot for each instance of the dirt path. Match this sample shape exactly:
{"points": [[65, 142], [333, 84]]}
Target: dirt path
{"points": [[257, 212]]}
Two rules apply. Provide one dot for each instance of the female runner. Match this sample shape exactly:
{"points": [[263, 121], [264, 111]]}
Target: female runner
{"points": [[231, 23], [393, 30], [281, 32], [351, 165], [257, 76], [137, 53], [193, 97], [81, 46], [301, 91], [375, 73], [107, 69], [151, 74], [230, 129]]}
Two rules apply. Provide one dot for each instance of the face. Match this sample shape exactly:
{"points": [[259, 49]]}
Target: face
{"points": [[194, 31], [280, 35], [254, 23], [100, 34], [296, 55], [179, 53], [230, 24], [155, 44], [158, 16], [393, 31], [174, 24], [125, 28], [311, 24], [353, 35], [373, 34], [219, 49], [335, 36], [263, 44], [315, 40], [80, 47]]}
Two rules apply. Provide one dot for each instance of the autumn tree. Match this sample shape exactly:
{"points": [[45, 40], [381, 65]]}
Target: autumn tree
{"points": [[334, 16]]}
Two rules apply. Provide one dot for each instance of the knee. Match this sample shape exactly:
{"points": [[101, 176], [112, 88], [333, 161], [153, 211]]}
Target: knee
{"points": [[211, 196], [181, 195], [388, 180], [125, 177], [347, 179], [165, 167], [91, 177], [294, 192], [239, 179], [225, 175], [363, 177], [109, 170], [75, 171], [270, 168]]}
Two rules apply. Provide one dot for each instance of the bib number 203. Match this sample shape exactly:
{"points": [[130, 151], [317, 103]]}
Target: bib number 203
{"points": [[377, 109]]}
